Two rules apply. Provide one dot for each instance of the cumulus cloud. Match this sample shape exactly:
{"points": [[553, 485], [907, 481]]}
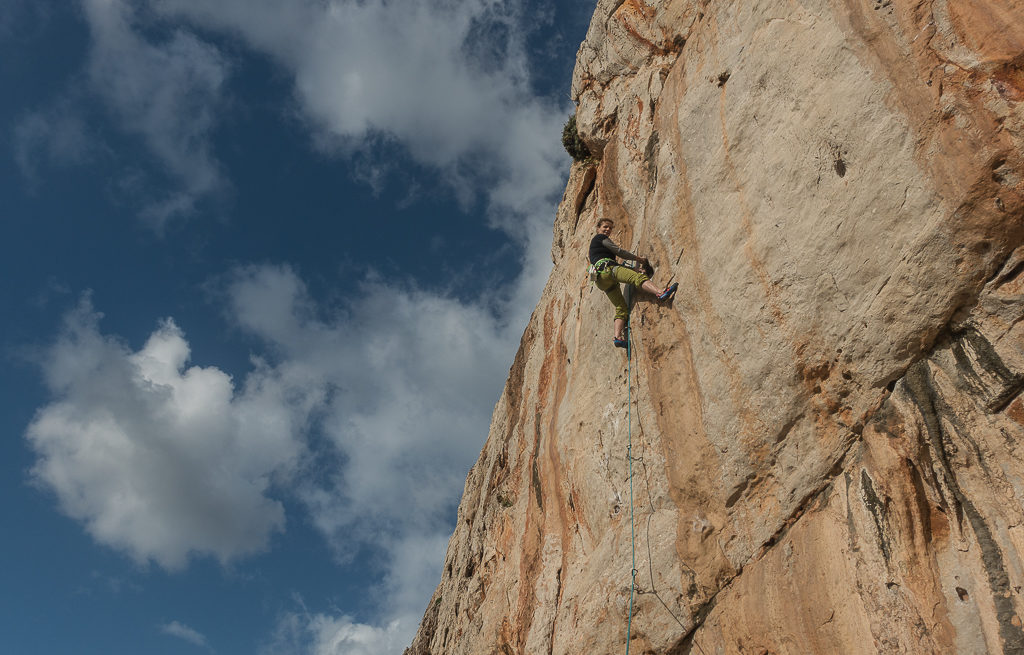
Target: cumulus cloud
{"points": [[446, 79], [414, 378], [415, 566], [160, 459], [185, 633], [403, 380], [165, 460], [167, 93], [322, 634], [414, 563]]}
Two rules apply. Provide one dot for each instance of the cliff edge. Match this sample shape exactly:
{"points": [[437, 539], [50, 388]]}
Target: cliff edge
{"points": [[826, 424]]}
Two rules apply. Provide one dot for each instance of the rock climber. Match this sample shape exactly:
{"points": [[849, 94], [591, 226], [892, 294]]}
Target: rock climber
{"points": [[608, 274]]}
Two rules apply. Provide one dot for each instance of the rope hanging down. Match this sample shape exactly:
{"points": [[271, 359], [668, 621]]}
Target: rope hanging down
{"points": [[629, 456], [634, 589]]}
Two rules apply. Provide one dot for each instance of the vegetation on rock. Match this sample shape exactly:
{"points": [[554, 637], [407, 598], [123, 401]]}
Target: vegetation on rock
{"points": [[573, 143]]}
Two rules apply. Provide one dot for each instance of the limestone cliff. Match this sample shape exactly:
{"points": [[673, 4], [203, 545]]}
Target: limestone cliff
{"points": [[827, 427]]}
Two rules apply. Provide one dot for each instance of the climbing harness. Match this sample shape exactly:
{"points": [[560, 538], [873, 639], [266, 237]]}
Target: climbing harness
{"points": [[598, 267]]}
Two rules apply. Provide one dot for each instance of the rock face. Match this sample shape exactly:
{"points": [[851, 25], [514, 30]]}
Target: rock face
{"points": [[823, 434]]}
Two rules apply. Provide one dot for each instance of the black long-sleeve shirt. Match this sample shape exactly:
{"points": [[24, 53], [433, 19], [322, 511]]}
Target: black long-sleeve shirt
{"points": [[602, 247]]}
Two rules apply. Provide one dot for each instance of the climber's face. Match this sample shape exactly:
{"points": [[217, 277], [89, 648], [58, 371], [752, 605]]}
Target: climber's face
{"points": [[605, 228]]}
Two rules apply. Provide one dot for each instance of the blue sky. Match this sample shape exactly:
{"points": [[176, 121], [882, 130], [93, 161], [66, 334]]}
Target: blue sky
{"points": [[265, 265]]}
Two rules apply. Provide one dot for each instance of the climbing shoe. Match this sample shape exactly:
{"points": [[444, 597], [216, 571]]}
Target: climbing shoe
{"points": [[619, 343], [669, 292]]}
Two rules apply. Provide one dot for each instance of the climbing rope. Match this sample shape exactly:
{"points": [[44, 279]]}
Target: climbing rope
{"points": [[629, 456], [650, 499]]}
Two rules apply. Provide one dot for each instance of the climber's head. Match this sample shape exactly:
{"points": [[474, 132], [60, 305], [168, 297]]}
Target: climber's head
{"points": [[605, 225]]}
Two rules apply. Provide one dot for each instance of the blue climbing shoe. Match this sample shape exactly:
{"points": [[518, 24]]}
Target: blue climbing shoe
{"points": [[619, 343], [669, 292]]}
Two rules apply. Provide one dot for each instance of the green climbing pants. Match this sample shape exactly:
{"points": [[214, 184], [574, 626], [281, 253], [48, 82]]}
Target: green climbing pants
{"points": [[609, 280]]}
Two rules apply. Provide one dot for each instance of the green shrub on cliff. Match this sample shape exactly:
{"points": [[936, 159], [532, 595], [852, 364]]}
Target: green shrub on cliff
{"points": [[573, 143]]}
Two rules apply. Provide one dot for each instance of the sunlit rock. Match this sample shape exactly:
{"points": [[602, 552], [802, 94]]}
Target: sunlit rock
{"points": [[826, 424]]}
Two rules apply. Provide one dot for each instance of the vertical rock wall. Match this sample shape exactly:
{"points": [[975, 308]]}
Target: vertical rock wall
{"points": [[827, 428]]}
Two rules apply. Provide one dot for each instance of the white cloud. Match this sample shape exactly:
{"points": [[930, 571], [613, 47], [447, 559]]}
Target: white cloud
{"points": [[185, 633], [403, 380], [323, 634], [447, 79], [415, 374], [167, 93], [414, 563], [415, 377], [165, 460], [415, 566], [413, 571], [160, 459]]}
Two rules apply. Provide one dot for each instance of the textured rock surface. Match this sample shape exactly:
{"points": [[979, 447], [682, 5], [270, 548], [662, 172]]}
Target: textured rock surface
{"points": [[827, 426]]}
